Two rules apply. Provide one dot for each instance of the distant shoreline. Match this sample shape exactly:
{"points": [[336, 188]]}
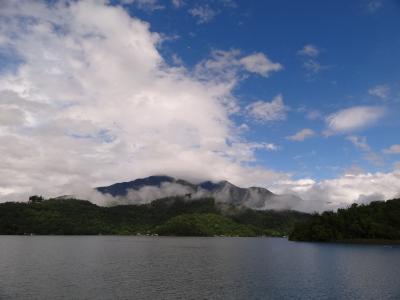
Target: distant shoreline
{"points": [[353, 242], [369, 241]]}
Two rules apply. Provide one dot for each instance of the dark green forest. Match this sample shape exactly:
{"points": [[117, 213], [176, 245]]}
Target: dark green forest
{"points": [[176, 216], [377, 221], [168, 216]]}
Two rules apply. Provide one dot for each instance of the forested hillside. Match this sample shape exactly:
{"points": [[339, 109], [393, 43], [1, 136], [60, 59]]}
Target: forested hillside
{"points": [[377, 221], [168, 216]]}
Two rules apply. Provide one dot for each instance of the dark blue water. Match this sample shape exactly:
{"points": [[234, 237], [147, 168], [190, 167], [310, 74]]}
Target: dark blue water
{"points": [[106, 267]]}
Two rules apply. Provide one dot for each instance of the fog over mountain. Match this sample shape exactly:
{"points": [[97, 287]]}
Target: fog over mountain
{"points": [[147, 189]]}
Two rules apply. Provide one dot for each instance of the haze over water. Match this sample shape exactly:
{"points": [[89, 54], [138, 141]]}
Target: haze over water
{"points": [[106, 267]]}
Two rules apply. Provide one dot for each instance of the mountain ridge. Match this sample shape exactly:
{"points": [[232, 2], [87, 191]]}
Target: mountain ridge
{"points": [[223, 191]]}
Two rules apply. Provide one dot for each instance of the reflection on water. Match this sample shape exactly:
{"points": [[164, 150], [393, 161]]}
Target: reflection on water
{"points": [[111, 267]]}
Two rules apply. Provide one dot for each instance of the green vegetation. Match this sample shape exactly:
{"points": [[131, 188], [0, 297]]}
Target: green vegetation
{"points": [[271, 222], [204, 225], [169, 216], [378, 221]]}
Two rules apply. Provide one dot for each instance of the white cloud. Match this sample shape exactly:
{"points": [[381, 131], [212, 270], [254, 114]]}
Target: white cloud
{"points": [[204, 14], [94, 103], [225, 65], [264, 111], [394, 149], [302, 135], [369, 154], [149, 5], [313, 66], [344, 190], [260, 64], [359, 142], [271, 147], [353, 118], [381, 91], [309, 54], [309, 50]]}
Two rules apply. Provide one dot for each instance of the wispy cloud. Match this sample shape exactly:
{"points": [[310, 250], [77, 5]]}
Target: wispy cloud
{"points": [[302, 135], [361, 143], [353, 118], [177, 3], [227, 64], [374, 5], [309, 55], [148, 5], [229, 3], [309, 50], [203, 14], [381, 91], [313, 67], [314, 115], [264, 111], [394, 149]]}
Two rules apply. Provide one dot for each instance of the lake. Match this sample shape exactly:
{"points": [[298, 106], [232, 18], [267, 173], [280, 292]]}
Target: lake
{"points": [[115, 267]]}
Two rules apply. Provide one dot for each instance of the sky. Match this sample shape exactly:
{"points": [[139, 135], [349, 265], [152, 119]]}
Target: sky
{"points": [[299, 97]]}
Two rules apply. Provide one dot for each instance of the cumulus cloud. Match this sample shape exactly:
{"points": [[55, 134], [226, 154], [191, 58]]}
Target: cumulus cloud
{"points": [[93, 102], [394, 149], [302, 135], [203, 14], [353, 118], [381, 91], [264, 111]]}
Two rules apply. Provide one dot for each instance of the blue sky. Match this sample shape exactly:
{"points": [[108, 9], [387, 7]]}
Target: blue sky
{"points": [[299, 97], [358, 44]]}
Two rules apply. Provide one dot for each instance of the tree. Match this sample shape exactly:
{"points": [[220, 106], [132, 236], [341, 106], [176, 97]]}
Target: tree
{"points": [[35, 199]]}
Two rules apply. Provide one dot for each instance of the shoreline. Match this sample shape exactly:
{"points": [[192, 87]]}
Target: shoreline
{"points": [[355, 242]]}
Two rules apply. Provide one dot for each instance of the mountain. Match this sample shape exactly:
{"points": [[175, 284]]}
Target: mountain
{"points": [[122, 188], [153, 187]]}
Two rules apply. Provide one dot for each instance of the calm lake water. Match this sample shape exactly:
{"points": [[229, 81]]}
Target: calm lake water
{"points": [[111, 267]]}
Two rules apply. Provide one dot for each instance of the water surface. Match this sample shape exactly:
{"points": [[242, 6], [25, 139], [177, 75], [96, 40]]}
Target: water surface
{"points": [[114, 267]]}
